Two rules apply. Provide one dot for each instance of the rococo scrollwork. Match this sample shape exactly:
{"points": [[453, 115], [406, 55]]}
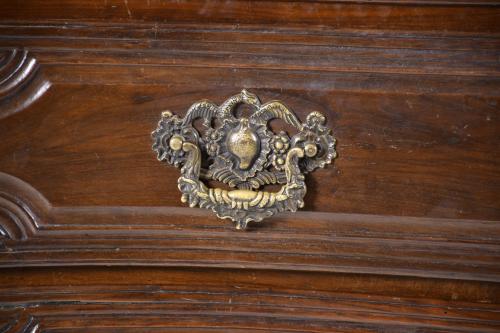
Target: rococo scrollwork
{"points": [[243, 153]]}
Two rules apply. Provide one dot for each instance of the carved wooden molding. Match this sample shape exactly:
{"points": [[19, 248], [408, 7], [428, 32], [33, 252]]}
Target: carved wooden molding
{"points": [[18, 321], [21, 208], [211, 47], [37, 234], [420, 15], [20, 81], [72, 301]]}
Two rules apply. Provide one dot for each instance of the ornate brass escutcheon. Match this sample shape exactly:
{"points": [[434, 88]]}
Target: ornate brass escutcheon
{"points": [[244, 154]]}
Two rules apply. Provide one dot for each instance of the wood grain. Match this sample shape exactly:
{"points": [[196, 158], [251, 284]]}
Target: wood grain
{"points": [[471, 16], [110, 300], [437, 162], [401, 234], [38, 234]]}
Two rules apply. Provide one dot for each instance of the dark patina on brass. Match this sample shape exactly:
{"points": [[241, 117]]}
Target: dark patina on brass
{"points": [[245, 154]]}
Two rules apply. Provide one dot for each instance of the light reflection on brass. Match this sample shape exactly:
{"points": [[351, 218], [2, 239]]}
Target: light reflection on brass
{"points": [[244, 144]]}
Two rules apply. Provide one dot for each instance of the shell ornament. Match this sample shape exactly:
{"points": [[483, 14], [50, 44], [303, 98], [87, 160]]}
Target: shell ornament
{"points": [[244, 154]]}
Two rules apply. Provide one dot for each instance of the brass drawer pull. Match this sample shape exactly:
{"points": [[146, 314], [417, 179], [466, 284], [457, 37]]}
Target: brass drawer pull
{"points": [[244, 154]]}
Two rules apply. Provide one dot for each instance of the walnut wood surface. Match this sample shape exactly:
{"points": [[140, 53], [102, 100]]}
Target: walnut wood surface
{"points": [[202, 300], [415, 15], [401, 234]]}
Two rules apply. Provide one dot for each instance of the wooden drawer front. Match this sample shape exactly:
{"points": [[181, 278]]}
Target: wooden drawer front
{"points": [[400, 233]]}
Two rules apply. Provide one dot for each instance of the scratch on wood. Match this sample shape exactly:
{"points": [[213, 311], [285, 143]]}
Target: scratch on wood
{"points": [[128, 9]]}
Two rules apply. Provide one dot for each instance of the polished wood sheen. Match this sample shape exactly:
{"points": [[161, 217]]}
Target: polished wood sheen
{"points": [[400, 234]]}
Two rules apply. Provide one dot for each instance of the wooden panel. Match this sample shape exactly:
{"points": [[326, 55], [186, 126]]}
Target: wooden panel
{"points": [[401, 234], [241, 301], [437, 15], [411, 151]]}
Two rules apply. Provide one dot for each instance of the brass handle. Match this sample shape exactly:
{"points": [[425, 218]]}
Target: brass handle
{"points": [[244, 154]]}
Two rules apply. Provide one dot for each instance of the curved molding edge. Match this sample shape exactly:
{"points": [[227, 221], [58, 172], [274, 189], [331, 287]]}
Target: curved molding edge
{"points": [[35, 233], [20, 322], [20, 82], [21, 208]]}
